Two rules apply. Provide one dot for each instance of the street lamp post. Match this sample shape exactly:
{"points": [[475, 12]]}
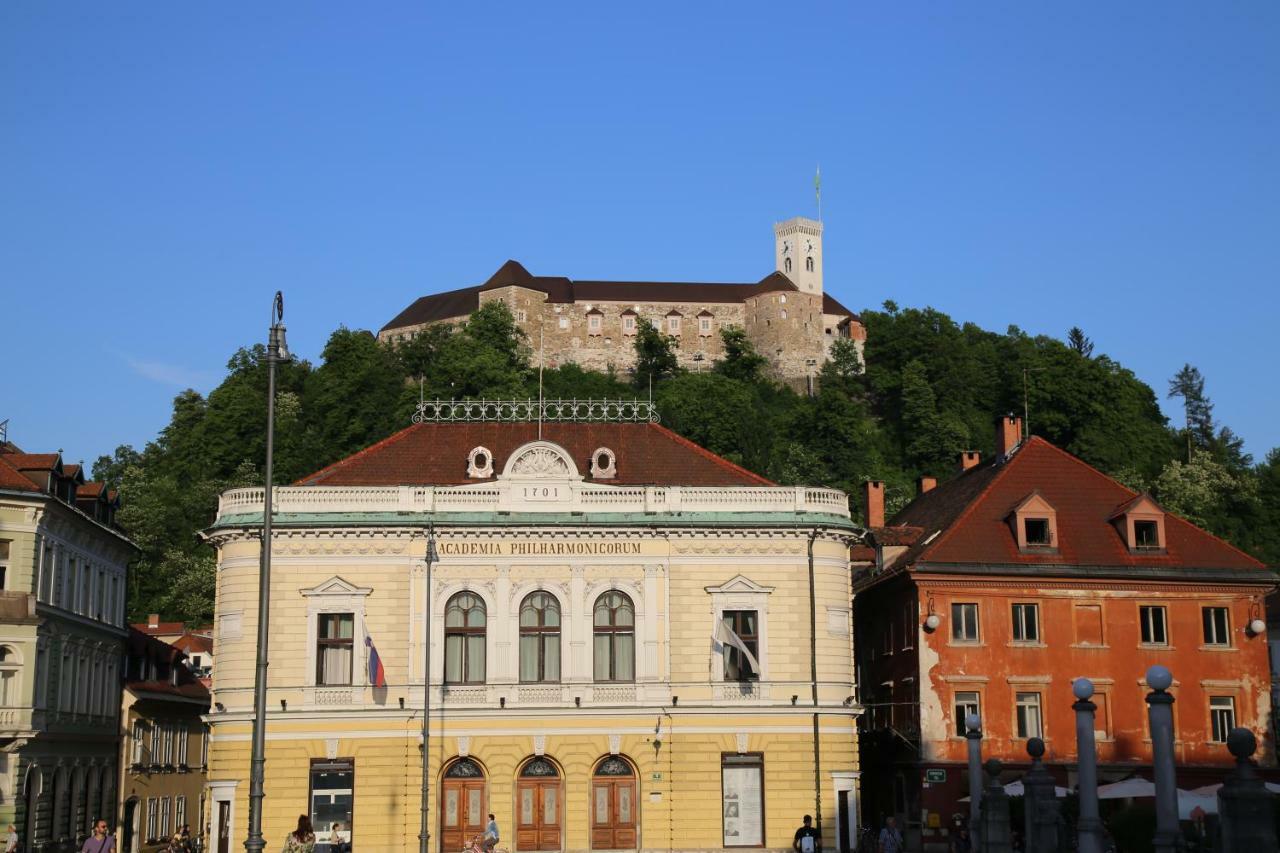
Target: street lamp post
{"points": [[424, 836], [1090, 834], [276, 352], [973, 734]]}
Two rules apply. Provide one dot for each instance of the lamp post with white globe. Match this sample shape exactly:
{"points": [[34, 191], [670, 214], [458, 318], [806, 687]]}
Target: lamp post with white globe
{"points": [[1160, 714], [973, 734], [1089, 832]]}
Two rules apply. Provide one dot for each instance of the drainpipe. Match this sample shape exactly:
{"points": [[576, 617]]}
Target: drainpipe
{"points": [[813, 678]]}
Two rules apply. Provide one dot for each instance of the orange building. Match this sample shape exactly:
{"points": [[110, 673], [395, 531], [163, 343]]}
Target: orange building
{"points": [[991, 593]]}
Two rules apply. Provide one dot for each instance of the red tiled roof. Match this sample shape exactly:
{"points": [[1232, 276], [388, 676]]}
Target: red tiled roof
{"points": [[90, 490], [160, 629], [12, 478], [33, 461], [459, 303], [969, 516], [436, 454], [190, 643]]}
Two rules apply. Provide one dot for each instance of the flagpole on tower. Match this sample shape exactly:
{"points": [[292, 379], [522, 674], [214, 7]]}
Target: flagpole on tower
{"points": [[817, 189]]}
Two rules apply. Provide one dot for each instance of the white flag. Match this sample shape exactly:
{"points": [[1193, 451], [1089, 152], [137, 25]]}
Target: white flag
{"points": [[725, 636]]}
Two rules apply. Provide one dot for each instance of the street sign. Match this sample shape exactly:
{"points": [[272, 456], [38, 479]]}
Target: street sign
{"points": [[935, 774]]}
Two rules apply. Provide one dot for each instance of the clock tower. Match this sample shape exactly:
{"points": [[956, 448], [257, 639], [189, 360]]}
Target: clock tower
{"points": [[798, 252]]}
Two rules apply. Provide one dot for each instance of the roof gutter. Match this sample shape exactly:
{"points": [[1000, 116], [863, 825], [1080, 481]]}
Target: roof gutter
{"points": [[1263, 576]]}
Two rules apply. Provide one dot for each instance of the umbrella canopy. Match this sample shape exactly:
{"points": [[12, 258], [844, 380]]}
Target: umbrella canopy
{"points": [[1138, 788], [1133, 788], [1017, 789], [1212, 790]]}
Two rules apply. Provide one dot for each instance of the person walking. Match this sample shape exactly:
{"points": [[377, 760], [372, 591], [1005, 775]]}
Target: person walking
{"points": [[807, 839], [960, 841], [491, 834], [101, 841], [11, 842], [302, 839], [890, 837]]}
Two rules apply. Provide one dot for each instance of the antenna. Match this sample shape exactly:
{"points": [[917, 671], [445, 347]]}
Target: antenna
{"points": [[1026, 405], [817, 189]]}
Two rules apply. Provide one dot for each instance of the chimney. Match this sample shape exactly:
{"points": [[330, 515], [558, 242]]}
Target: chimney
{"points": [[873, 502], [153, 620], [1008, 434], [969, 459], [925, 484]]}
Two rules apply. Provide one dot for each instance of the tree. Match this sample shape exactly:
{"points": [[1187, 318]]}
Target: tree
{"points": [[1203, 490], [1077, 340], [741, 361], [655, 355], [934, 440], [351, 399], [1189, 385]]}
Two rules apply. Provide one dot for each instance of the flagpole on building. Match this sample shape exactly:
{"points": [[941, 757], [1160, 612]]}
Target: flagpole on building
{"points": [[817, 189], [424, 836]]}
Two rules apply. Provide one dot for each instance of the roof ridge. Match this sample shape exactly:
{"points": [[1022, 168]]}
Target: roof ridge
{"points": [[944, 533], [359, 454], [715, 457]]}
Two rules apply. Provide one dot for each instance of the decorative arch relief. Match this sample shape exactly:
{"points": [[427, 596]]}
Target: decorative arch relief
{"points": [[540, 460]]}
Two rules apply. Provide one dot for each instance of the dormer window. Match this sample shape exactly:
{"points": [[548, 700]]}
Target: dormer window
{"points": [[1034, 522], [480, 463], [604, 464], [1140, 524], [628, 323], [595, 322]]}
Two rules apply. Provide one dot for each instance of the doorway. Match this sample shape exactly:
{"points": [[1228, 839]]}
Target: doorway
{"points": [[462, 804], [32, 795], [613, 806], [224, 826], [129, 827], [538, 806]]}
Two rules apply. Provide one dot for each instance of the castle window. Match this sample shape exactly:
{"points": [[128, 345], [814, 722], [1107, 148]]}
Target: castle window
{"points": [[564, 322], [673, 324], [784, 313], [786, 265], [808, 264], [628, 324], [522, 316], [704, 325], [595, 323]]}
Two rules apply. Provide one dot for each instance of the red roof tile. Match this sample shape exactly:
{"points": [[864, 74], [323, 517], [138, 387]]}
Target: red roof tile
{"points": [[436, 454], [13, 479], [969, 516], [190, 643], [33, 461], [162, 628]]}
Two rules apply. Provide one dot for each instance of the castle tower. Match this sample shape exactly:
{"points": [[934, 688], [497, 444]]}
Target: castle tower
{"points": [[798, 252]]}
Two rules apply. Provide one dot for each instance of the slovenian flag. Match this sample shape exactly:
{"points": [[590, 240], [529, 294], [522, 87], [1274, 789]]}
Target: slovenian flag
{"points": [[377, 673]]}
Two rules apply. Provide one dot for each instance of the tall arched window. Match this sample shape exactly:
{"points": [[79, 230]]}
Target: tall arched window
{"points": [[786, 265], [808, 264], [615, 635], [540, 638], [464, 621]]}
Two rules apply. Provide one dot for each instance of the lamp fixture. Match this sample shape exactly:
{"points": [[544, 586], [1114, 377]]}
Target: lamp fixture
{"points": [[284, 704], [1257, 625], [933, 620]]}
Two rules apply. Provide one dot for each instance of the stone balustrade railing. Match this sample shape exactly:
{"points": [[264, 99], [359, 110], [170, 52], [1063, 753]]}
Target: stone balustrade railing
{"points": [[522, 497]]}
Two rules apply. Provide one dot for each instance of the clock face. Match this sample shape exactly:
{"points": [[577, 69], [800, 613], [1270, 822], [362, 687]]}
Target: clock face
{"points": [[808, 246], [786, 247]]}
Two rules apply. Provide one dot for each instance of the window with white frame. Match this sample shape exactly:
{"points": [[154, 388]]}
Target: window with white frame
{"points": [[204, 746], [183, 734], [1222, 717], [335, 629], [4, 564], [967, 703], [153, 819], [1217, 626], [157, 752], [1026, 623], [166, 828], [137, 744], [464, 639], [740, 631], [1153, 625], [628, 324], [10, 672], [595, 323], [673, 324], [179, 813], [1028, 721], [335, 648], [964, 622], [704, 325]]}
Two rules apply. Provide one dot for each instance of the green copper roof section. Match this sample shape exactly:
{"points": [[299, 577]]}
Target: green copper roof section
{"points": [[536, 519]]}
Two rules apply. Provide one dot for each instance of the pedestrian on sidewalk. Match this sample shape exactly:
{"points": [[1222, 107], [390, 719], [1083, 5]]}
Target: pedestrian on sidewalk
{"points": [[807, 839], [101, 841], [890, 837]]}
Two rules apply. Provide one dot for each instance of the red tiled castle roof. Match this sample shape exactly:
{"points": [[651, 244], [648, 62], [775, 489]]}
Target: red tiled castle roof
{"points": [[436, 454]]}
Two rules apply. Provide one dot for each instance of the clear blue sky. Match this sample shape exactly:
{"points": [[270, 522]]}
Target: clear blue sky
{"points": [[165, 167]]}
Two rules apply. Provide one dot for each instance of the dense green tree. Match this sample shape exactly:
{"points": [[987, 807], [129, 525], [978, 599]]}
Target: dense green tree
{"points": [[655, 355], [1079, 342], [351, 398], [741, 361]]}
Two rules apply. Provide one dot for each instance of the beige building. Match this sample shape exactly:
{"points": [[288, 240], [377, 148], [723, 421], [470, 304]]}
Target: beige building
{"points": [[63, 566], [787, 315], [634, 645], [162, 769]]}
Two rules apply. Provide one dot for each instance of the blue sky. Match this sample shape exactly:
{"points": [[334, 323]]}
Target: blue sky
{"points": [[164, 169]]}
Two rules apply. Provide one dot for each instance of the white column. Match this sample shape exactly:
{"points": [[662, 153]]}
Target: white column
{"points": [[579, 626], [503, 666]]}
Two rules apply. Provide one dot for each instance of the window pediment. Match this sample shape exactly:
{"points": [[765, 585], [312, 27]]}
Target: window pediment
{"points": [[540, 460], [1140, 524], [1034, 522], [738, 585], [336, 587]]}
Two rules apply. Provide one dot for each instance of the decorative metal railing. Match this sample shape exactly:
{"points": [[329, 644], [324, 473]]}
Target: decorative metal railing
{"points": [[549, 411]]}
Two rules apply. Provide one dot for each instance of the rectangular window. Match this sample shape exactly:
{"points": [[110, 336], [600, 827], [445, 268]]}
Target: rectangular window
{"points": [[1222, 717], [137, 751], [1028, 715], [8, 688], [564, 322], [1146, 535], [910, 615], [742, 799], [1152, 619], [628, 324], [522, 316], [333, 787], [1217, 626], [204, 747], [1088, 624], [153, 819], [179, 813], [1026, 623], [1037, 531], [335, 648], [704, 325], [673, 325], [741, 636], [165, 826], [594, 322], [4, 564], [156, 744], [968, 703], [964, 623], [1102, 716], [182, 735]]}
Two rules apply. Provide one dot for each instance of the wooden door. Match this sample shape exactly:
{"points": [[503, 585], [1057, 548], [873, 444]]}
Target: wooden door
{"points": [[224, 826], [462, 814], [538, 811], [613, 806]]}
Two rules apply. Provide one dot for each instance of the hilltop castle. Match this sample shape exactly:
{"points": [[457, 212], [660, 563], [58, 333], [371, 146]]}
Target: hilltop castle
{"points": [[786, 315]]}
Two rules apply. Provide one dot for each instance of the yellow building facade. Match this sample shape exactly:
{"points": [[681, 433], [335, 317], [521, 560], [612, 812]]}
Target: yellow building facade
{"points": [[633, 645]]}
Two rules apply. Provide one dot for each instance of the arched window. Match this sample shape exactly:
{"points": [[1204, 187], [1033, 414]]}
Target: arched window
{"points": [[808, 264], [615, 636], [540, 638], [786, 265], [464, 621]]}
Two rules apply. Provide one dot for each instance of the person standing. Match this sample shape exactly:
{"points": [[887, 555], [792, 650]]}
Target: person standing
{"points": [[11, 843], [302, 839], [101, 841], [807, 839], [890, 837], [491, 833]]}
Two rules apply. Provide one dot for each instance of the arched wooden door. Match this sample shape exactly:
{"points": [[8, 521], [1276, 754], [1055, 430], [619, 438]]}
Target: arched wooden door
{"points": [[613, 806], [462, 804], [539, 806]]}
